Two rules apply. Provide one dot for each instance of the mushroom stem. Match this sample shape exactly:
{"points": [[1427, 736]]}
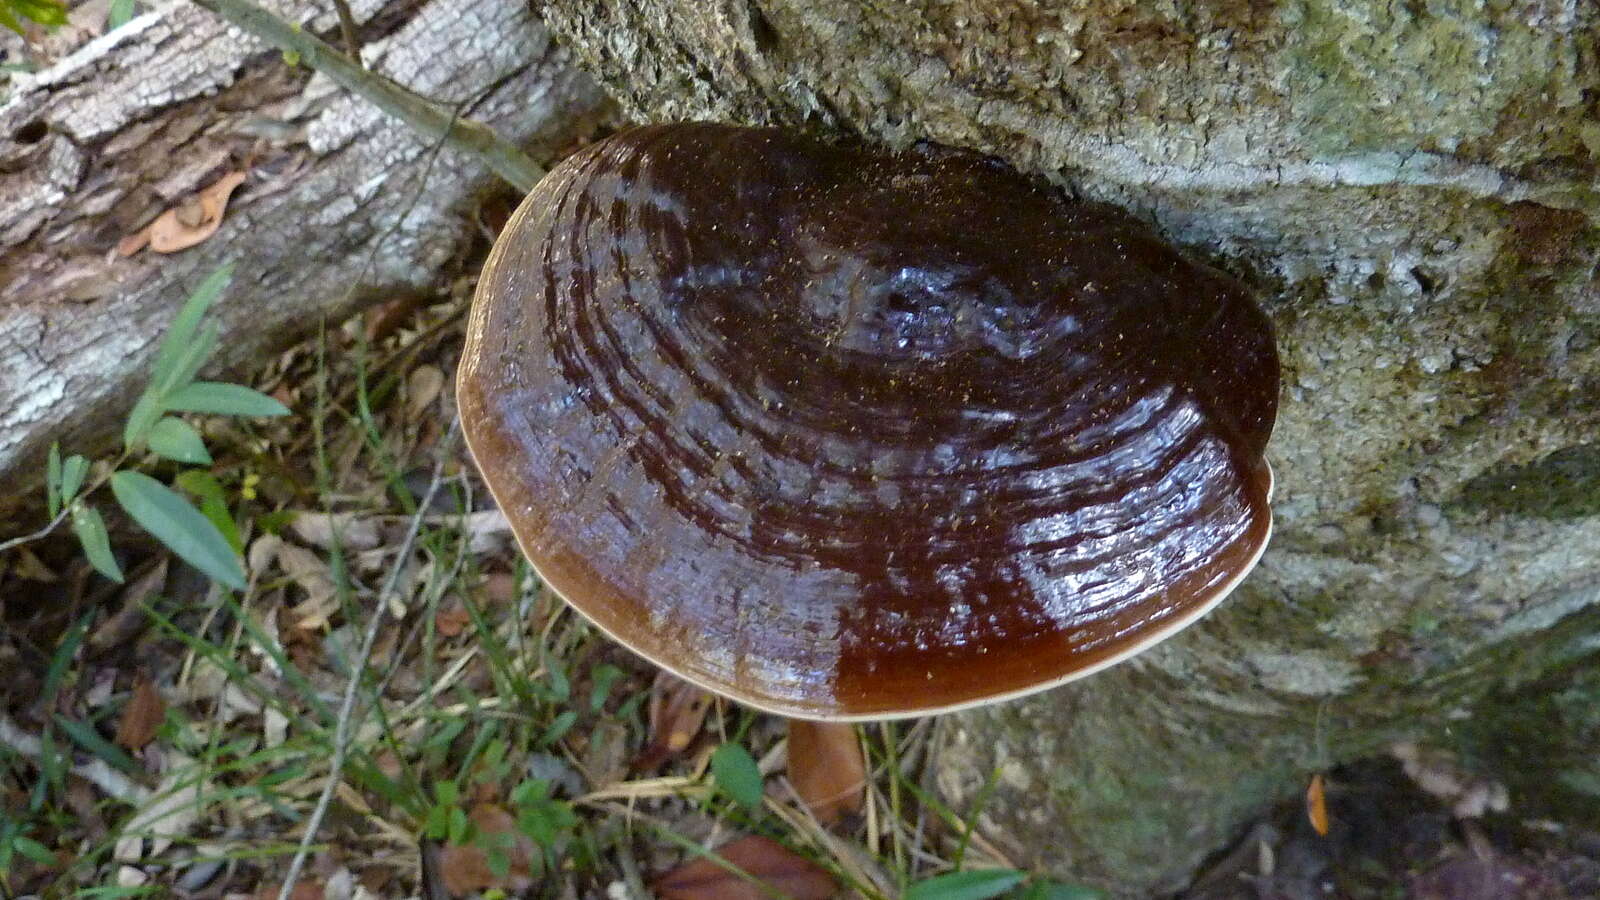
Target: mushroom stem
{"points": [[827, 768]]}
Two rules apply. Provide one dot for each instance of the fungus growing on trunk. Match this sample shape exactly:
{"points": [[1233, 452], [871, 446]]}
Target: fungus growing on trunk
{"points": [[845, 434]]}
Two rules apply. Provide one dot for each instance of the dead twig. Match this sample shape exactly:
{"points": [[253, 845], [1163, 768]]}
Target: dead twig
{"points": [[345, 726]]}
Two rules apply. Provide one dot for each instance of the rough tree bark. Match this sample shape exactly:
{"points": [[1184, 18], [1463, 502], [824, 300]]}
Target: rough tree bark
{"points": [[337, 194], [1413, 188]]}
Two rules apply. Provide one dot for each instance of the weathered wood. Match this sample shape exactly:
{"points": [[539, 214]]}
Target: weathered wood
{"points": [[342, 204], [1413, 187]]}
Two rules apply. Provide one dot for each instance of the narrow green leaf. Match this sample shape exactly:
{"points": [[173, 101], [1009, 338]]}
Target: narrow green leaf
{"points": [[1055, 890], [86, 737], [203, 486], [220, 398], [604, 676], [34, 850], [45, 12], [61, 660], [191, 361], [181, 333], [736, 773], [558, 728], [91, 531], [978, 884], [52, 480], [165, 514], [72, 475], [144, 415], [177, 440], [120, 13]]}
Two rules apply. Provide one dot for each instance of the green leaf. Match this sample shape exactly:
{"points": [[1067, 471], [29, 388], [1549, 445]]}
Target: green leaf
{"points": [[45, 12], [978, 884], [558, 728], [437, 822], [34, 850], [72, 474], [181, 333], [165, 514], [144, 415], [1055, 890], [543, 822], [203, 486], [189, 364], [52, 480], [604, 676], [121, 11], [61, 660], [177, 440], [91, 531], [86, 737], [9, 20], [220, 398], [735, 772], [459, 826]]}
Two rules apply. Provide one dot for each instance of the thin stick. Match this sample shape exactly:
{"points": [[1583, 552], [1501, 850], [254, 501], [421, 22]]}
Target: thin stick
{"points": [[341, 736], [347, 29], [432, 120], [29, 538]]}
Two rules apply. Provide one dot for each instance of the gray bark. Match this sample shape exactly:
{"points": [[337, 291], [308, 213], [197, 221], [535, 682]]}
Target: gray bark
{"points": [[1413, 189], [342, 204]]}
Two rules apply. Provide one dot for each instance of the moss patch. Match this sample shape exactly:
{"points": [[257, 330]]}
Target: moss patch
{"points": [[1380, 75], [1563, 485]]}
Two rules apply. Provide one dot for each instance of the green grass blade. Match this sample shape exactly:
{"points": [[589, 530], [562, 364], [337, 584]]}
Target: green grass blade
{"points": [[978, 884], [86, 737], [165, 514]]}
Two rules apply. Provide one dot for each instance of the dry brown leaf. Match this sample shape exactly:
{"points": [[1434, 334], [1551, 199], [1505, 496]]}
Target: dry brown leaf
{"points": [[500, 587], [263, 552], [827, 768], [423, 387], [315, 577], [130, 618], [677, 713], [32, 568], [142, 716], [768, 868], [1317, 805], [187, 224], [304, 889], [344, 529], [466, 868], [452, 620]]}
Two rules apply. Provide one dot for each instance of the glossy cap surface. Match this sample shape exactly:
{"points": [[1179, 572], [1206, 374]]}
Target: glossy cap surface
{"points": [[845, 434]]}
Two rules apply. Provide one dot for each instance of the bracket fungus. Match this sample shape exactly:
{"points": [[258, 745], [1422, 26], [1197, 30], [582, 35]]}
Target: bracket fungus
{"points": [[847, 434]]}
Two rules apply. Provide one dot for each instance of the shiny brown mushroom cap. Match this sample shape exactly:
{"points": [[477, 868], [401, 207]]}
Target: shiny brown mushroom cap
{"points": [[845, 434]]}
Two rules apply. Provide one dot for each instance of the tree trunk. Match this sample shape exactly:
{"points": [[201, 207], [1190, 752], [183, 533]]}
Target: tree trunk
{"points": [[341, 205], [1412, 187]]}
